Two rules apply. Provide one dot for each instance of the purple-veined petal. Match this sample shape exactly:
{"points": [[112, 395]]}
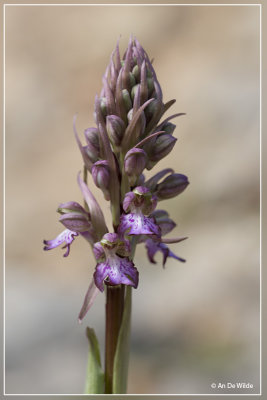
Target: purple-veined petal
{"points": [[138, 224], [98, 251], [66, 236], [128, 200], [89, 299], [152, 248], [116, 271]]}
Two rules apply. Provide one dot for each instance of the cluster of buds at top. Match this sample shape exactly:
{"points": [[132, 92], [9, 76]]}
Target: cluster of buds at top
{"points": [[129, 138], [127, 115]]}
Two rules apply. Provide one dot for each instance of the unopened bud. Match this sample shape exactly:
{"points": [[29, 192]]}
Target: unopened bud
{"points": [[162, 146], [130, 115], [101, 177], [133, 91], [115, 129], [132, 79], [171, 186], [136, 72], [168, 128], [152, 108], [134, 164], [140, 123], [153, 114], [149, 73], [71, 207], [76, 222], [103, 106], [93, 147], [127, 99], [150, 86]]}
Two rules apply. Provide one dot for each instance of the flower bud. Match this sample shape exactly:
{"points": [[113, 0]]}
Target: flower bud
{"points": [[71, 207], [115, 129], [103, 106], [168, 128], [143, 83], [76, 222], [127, 99], [101, 177], [134, 164], [132, 79], [93, 146], [153, 109], [153, 112], [130, 115], [134, 90], [150, 86], [136, 72], [171, 186], [161, 147]]}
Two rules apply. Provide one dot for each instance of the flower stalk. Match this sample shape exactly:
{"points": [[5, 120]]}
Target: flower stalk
{"points": [[128, 139], [114, 313]]}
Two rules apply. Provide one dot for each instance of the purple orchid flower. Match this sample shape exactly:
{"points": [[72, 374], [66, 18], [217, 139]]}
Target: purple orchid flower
{"points": [[139, 202], [66, 236], [113, 269]]}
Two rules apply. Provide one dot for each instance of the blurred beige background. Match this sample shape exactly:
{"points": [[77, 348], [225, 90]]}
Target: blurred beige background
{"points": [[194, 323]]}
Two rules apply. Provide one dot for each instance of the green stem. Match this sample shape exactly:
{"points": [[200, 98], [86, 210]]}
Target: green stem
{"points": [[114, 311]]}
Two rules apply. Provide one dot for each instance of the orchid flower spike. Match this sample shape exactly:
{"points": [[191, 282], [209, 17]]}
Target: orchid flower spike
{"points": [[130, 136]]}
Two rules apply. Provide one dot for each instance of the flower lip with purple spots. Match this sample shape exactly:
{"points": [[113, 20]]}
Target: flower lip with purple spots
{"points": [[116, 271], [138, 224], [114, 266]]}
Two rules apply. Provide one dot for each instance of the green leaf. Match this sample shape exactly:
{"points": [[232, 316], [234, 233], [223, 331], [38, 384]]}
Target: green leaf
{"points": [[121, 360], [95, 375]]}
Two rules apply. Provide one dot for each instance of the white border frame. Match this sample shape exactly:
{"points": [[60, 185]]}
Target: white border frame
{"points": [[260, 116]]}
